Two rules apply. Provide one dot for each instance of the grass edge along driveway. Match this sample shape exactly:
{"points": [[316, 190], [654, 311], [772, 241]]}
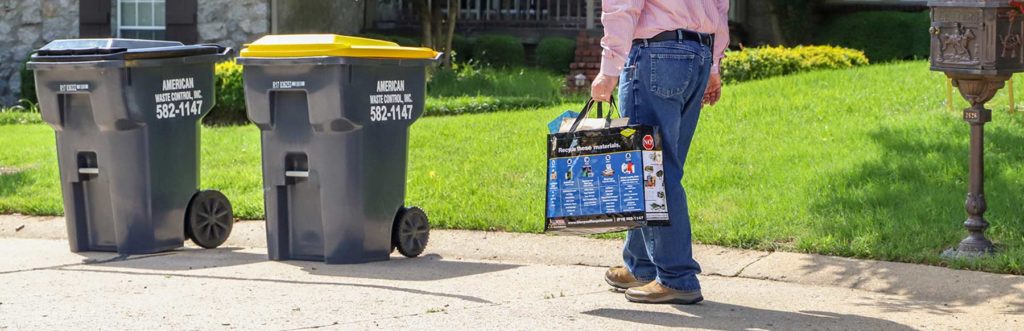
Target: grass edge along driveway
{"points": [[864, 163]]}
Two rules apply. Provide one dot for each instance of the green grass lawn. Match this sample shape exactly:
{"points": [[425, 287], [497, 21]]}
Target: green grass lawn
{"points": [[468, 89], [865, 163]]}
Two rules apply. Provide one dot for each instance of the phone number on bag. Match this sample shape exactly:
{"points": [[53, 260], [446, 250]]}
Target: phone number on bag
{"points": [[180, 109]]}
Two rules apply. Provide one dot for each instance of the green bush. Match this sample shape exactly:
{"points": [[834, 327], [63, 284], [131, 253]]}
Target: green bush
{"points": [[882, 35], [466, 79], [28, 84], [499, 51], [230, 107], [467, 89], [483, 104], [764, 62], [463, 48], [555, 54], [15, 117], [26, 112]]}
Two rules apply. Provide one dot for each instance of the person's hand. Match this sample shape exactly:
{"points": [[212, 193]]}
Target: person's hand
{"points": [[601, 89], [714, 90]]}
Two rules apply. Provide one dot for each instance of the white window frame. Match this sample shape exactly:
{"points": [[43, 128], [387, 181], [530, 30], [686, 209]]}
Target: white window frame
{"points": [[154, 27]]}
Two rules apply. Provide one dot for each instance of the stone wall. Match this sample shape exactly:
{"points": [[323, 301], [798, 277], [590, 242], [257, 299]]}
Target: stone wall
{"points": [[320, 16], [25, 26], [233, 23]]}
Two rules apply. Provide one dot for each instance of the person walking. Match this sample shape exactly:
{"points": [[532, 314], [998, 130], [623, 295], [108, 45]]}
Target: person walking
{"points": [[664, 57]]}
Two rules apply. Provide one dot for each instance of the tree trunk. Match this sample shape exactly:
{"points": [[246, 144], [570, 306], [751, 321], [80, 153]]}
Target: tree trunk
{"points": [[453, 16], [423, 7], [436, 23], [369, 14], [777, 37]]}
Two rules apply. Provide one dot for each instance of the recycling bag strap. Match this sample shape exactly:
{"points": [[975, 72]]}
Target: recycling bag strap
{"points": [[586, 112], [600, 110]]}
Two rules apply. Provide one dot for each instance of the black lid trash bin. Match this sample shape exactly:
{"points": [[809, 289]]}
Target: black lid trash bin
{"points": [[126, 115], [334, 114]]}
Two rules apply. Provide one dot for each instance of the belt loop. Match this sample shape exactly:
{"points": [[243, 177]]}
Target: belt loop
{"points": [[679, 35], [646, 44]]}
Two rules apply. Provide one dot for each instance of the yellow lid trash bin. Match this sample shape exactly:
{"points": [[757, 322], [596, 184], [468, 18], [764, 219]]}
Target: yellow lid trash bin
{"points": [[311, 45], [334, 114]]}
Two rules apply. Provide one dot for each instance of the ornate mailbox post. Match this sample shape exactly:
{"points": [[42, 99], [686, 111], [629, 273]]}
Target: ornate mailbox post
{"points": [[979, 44]]}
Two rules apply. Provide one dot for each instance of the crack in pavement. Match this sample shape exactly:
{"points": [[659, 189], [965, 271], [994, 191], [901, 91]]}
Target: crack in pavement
{"points": [[298, 282], [740, 272], [88, 261], [467, 308]]}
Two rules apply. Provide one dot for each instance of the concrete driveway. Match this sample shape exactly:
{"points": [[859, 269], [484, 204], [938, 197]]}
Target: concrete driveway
{"points": [[473, 280]]}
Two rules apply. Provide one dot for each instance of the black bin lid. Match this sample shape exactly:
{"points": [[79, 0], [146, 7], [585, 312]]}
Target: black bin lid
{"points": [[77, 50]]}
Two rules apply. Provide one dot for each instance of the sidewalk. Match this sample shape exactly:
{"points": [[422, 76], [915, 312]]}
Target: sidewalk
{"points": [[474, 280]]}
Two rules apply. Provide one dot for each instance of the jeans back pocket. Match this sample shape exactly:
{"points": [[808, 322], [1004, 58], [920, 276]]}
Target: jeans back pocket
{"points": [[671, 73]]}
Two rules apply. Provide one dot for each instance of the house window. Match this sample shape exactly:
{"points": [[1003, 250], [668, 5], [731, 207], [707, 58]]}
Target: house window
{"points": [[141, 19]]}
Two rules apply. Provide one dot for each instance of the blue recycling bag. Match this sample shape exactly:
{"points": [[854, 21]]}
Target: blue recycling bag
{"points": [[555, 124], [604, 180]]}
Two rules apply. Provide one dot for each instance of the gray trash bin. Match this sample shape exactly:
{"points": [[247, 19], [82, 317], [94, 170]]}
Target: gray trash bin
{"points": [[126, 115], [334, 114]]}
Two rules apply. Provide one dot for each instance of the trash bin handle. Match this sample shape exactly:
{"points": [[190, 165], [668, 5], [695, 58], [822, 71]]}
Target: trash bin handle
{"points": [[223, 51], [89, 171], [586, 112]]}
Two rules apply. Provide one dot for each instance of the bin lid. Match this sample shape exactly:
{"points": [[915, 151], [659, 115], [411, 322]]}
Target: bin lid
{"points": [[77, 50], [310, 45]]}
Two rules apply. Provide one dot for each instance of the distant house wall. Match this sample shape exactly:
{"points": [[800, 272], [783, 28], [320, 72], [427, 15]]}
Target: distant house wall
{"points": [[319, 16], [233, 23], [25, 26]]}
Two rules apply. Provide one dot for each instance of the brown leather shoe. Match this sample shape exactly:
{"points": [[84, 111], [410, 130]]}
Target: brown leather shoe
{"points": [[656, 293], [620, 278]]}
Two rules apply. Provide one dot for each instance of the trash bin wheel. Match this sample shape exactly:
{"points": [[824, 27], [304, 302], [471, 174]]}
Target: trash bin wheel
{"points": [[209, 220], [411, 232]]}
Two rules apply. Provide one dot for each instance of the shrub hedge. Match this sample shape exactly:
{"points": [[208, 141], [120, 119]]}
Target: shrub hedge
{"points": [[463, 48], [230, 107], [19, 117], [882, 35], [466, 79], [500, 51], [763, 62], [465, 90], [483, 104], [28, 84], [555, 54]]}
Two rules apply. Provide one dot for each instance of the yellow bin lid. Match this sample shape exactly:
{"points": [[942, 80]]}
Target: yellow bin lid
{"points": [[308, 45]]}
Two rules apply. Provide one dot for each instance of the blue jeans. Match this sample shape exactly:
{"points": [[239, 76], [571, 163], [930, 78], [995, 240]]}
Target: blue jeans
{"points": [[663, 85]]}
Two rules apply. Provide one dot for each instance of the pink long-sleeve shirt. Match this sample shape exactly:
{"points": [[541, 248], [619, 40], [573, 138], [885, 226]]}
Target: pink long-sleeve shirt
{"points": [[626, 20]]}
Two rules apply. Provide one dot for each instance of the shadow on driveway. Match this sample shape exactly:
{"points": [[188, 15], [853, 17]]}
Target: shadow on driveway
{"points": [[426, 268], [721, 316], [431, 267]]}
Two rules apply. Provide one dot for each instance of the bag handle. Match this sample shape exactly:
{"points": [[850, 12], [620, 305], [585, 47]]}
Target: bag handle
{"points": [[600, 112]]}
